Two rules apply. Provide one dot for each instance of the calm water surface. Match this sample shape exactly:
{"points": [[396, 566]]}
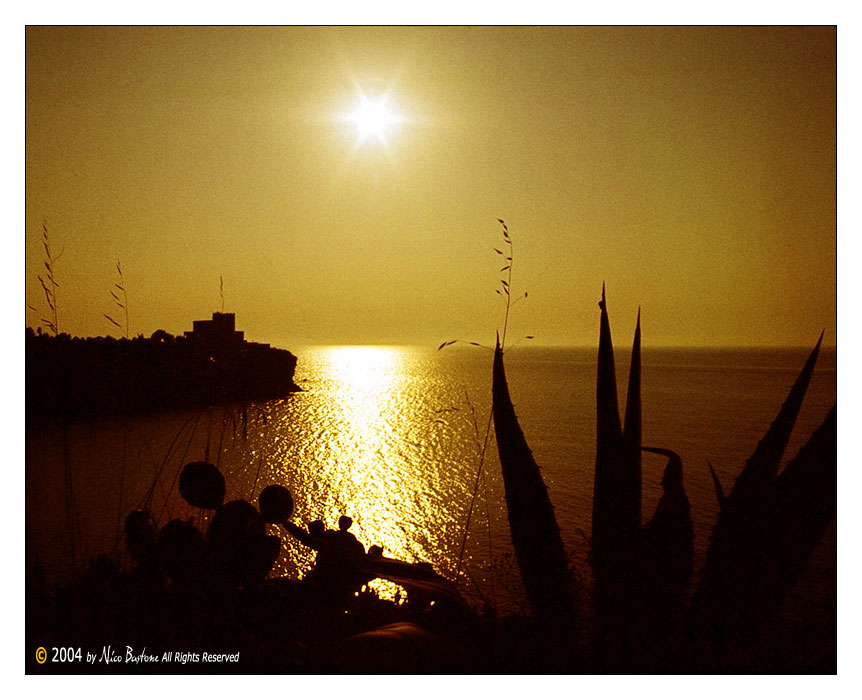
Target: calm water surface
{"points": [[393, 437]]}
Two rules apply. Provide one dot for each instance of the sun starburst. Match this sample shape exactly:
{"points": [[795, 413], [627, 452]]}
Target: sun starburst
{"points": [[373, 117]]}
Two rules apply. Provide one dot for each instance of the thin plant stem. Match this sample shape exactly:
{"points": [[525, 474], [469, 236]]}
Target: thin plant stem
{"points": [[508, 293], [473, 498], [50, 287], [181, 464], [120, 499], [221, 434], [256, 476], [490, 546], [148, 498]]}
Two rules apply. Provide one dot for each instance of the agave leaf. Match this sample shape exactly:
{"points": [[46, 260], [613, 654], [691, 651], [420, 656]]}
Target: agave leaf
{"points": [[616, 492], [617, 554], [606, 382], [742, 516], [535, 533], [763, 465], [805, 502], [719, 491], [673, 470], [668, 544], [632, 430], [631, 463], [729, 603]]}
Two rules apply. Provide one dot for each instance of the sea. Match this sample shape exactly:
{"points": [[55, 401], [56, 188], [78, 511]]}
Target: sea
{"points": [[400, 439]]}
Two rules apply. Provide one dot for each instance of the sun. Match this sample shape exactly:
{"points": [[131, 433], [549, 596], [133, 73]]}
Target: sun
{"points": [[373, 117]]}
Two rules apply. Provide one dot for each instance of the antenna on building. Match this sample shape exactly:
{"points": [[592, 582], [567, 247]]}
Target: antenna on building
{"points": [[221, 291]]}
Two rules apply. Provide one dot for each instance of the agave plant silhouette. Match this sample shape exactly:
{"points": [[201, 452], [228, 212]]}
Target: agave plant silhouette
{"points": [[768, 527]]}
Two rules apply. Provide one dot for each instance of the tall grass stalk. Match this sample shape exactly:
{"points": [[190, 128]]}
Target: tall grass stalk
{"points": [[52, 321], [122, 304], [504, 291], [505, 284], [49, 287]]}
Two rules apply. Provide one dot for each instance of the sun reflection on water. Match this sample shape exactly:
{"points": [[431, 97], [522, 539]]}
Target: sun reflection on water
{"points": [[368, 470], [363, 369]]}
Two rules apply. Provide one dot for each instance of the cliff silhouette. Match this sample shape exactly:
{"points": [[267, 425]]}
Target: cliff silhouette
{"points": [[93, 377]]}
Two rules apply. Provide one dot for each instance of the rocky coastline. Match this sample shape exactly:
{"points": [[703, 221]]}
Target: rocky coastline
{"points": [[70, 377]]}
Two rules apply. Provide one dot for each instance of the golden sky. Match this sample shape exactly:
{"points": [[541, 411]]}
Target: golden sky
{"points": [[693, 170]]}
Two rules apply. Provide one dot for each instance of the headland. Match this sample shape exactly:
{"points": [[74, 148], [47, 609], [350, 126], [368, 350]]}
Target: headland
{"points": [[103, 376]]}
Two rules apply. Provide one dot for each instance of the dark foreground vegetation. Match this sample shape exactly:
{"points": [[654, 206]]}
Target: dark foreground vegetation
{"points": [[194, 593]]}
